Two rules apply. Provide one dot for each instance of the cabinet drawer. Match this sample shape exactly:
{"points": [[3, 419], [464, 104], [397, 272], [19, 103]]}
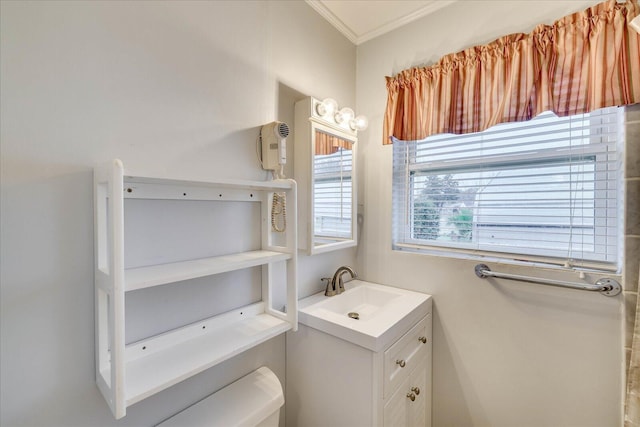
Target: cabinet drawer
{"points": [[404, 355]]}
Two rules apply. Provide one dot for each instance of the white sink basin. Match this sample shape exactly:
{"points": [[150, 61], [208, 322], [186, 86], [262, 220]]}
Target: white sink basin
{"points": [[383, 312]]}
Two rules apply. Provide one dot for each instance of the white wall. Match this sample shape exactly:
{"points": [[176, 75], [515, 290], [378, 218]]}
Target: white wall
{"points": [[505, 353], [168, 87]]}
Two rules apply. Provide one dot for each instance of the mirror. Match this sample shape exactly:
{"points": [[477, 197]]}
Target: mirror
{"points": [[324, 168]]}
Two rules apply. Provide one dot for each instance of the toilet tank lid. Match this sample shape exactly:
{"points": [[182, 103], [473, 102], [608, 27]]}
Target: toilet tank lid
{"points": [[243, 403]]}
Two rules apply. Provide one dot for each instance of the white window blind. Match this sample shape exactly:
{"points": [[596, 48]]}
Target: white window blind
{"points": [[332, 193], [543, 189]]}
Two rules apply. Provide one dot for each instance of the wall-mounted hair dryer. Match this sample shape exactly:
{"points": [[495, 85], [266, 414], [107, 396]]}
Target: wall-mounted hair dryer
{"points": [[274, 156], [274, 148]]}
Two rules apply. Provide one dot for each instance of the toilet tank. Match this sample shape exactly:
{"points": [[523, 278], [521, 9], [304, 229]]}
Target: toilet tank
{"points": [[253, 400]]}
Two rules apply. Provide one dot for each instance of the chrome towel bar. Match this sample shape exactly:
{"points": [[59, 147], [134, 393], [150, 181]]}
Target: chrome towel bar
{"points": [[607, 287]]}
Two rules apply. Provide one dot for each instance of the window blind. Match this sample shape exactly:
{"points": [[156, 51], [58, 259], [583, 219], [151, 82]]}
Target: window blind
{"points": [[332, 193], [546, 188]]}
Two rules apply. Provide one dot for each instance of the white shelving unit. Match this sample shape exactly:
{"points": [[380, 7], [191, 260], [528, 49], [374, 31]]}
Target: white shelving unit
{"points": [[129, 373]]}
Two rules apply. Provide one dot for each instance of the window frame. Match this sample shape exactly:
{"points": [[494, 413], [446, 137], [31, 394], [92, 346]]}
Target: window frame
{"points": [[406, 169]]}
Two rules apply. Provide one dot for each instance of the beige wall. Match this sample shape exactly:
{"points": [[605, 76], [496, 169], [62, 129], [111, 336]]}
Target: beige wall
{"points": [[632, 220], [505, 353], [168, 87], [631, 269]]}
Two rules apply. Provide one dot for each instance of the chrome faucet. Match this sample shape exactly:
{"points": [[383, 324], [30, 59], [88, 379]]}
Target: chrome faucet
{"points": [[335, 285]]}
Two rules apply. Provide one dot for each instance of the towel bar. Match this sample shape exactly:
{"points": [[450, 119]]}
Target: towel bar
{"points": [[607, 287]]}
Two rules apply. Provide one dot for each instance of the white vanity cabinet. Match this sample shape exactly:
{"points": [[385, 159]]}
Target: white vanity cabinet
{"points": [[332, 382], [128, 372]]}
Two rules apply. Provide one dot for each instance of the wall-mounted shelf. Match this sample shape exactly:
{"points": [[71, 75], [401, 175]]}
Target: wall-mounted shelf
{"points": [[144, 277], [129, 373], [164, 360]]}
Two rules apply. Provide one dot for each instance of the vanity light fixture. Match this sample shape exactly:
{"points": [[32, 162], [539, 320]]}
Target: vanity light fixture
{"points": [[328, 109], [345, 115], [359, 123]]}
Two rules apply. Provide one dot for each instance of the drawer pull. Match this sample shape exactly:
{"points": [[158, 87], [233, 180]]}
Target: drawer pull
{"points": [[416, 390], [401, 362], [423, 340], [411, 396]]}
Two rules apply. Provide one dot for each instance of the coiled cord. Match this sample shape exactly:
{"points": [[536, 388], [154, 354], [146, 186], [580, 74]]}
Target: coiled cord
{"points": [[279, 207]]}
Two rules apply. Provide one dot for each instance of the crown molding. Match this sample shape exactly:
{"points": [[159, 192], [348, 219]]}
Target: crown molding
{"points": [[327, 14], [356, 39]]}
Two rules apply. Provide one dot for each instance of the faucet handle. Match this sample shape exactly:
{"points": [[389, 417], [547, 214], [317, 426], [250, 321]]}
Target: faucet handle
{"points": [[329, 290]]}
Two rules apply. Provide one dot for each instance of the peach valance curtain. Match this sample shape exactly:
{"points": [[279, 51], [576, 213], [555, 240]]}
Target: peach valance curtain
{"points": [[329, 144], [584, 61]]}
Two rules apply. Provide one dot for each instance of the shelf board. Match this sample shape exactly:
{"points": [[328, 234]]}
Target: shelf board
{"points": [[137, 187], [278, 184], [157, 363], [144, 277]]}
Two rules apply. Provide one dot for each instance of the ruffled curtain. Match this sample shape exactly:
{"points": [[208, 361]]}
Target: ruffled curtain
{"points": [[329, 144], [584, 61]]}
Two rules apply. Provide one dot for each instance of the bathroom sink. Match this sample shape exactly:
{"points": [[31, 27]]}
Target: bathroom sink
{"points": [[366, 314], [366, 300]]}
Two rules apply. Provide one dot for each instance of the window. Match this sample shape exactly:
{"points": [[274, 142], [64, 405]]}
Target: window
{"points": [[332, 195], [543, 189]]}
